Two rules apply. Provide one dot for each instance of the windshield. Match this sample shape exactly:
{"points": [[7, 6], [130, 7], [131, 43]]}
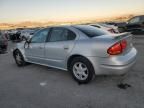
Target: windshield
{"points": [[91, 31]]}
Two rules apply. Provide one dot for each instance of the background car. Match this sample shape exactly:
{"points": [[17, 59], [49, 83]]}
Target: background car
{"points": [[121, 26], [109, 28], [83, 50], [15, 37], [136, 25], [27, 33], [3, 43]]}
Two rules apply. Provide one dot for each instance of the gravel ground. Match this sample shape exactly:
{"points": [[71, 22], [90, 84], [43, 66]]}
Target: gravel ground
{"points": [[35, 86]]}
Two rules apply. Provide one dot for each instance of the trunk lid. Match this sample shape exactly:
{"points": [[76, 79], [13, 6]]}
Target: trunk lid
{"points": [[104, 42]]}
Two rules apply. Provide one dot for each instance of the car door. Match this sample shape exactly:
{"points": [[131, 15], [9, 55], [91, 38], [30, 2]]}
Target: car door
{"points": [[34, 51], [60, 43]]}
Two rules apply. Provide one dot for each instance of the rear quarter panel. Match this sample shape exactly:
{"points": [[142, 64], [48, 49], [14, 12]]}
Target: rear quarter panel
{"points": [[92, 47]]}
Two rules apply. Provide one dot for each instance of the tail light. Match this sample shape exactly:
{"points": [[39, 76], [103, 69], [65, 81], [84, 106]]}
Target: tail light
{"points": [[117, 48], [124, 44]]}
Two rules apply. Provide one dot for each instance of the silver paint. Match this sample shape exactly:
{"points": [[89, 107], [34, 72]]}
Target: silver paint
{"points": [[57, 54]]}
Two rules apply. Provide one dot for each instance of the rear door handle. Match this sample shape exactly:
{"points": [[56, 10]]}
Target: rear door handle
{"points": [[66, 47], [41, 47]]}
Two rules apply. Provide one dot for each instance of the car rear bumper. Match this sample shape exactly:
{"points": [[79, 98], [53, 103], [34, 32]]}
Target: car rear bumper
{"points": [[116, 70], [115, 65]]}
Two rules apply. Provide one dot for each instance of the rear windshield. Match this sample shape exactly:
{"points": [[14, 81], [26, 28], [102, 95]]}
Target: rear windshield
{"points": [[91, 31]]}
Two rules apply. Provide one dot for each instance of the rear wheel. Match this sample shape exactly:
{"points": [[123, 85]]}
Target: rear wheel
{"points": [[19, 58], [82, 70]]}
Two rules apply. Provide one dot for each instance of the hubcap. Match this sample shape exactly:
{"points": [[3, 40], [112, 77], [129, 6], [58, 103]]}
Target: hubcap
{"points": [[18, 58], [80, 70]]}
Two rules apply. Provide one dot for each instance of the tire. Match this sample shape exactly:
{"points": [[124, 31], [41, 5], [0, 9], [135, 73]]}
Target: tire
{"points": [[19, 59], [82, 70]]}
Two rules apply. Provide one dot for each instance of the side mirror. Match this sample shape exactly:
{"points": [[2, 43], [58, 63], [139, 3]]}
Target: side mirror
{"points": [[27, 43], [27, 39]]}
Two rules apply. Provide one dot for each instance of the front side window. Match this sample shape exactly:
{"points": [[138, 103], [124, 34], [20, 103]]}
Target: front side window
{"points": [[40, 36], [61, 34], [134, 20]]}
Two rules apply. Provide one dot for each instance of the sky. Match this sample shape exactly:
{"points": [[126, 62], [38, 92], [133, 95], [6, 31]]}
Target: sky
{"points": [[12, 11]]}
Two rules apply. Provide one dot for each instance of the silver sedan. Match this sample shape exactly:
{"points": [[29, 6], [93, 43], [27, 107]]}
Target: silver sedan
{"points": [[83, 50]]}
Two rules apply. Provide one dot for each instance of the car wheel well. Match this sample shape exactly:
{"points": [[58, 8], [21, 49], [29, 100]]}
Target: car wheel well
{"points": [[71, 58]]}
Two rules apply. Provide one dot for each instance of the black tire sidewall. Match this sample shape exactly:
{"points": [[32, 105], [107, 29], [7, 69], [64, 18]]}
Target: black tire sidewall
{"points": [[22, 58], [85, 61]]}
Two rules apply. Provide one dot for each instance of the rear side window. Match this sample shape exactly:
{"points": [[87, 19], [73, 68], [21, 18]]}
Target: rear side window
{"points": [[69, 35], [96, 26], [61, 34], [91, 31]]}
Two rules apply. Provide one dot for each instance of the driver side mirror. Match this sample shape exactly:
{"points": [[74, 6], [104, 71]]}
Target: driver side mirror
{"points": [[27, 42], [28, 39]]}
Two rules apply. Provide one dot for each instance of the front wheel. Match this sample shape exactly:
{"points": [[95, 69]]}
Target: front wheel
{"points": [[82, 70], [19, 58]]}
